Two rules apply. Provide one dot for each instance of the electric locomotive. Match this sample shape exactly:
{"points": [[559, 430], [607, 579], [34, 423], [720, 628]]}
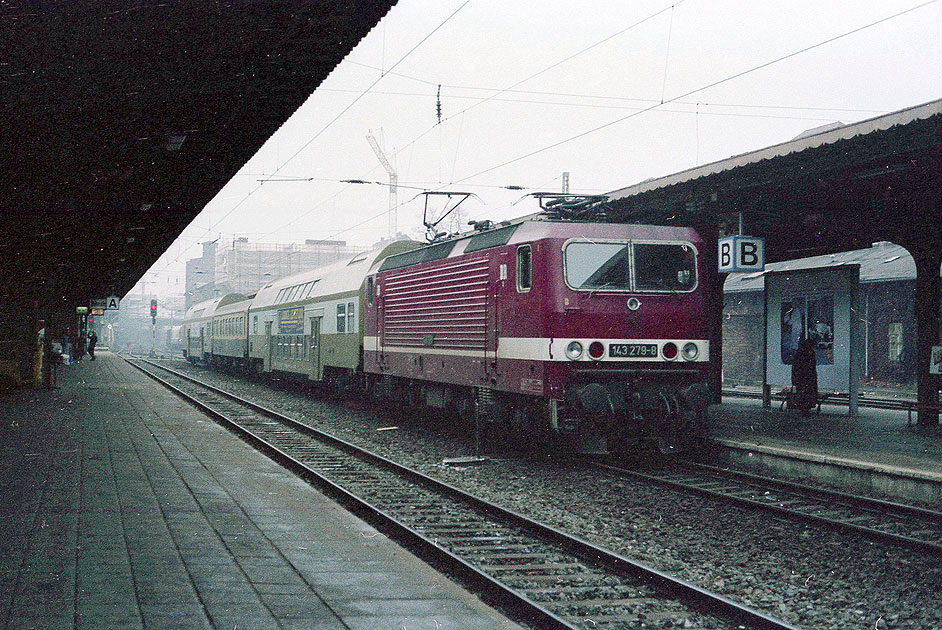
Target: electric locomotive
{"points": [[593, 331]]}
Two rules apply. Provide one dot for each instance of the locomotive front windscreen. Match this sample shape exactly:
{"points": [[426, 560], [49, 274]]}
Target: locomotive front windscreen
{"points": [[597, 265], [653, 266], [664, 267]]}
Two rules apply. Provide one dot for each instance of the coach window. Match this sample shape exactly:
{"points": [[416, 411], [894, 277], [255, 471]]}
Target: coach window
{"points": [[351, 317], [524, 268], [255, 325], [341, 318]]}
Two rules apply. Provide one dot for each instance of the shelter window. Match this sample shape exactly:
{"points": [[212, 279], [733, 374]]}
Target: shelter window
{"points": [[341, 318], [524, 268], [896, 342], [665, 267]]}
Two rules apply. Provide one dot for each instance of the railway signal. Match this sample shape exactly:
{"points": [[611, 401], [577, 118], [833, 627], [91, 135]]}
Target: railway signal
{"points": [[153, 327]]}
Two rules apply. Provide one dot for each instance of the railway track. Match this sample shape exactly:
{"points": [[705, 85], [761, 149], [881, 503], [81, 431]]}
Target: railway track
{"points": [[536, 573], [884, 521]]}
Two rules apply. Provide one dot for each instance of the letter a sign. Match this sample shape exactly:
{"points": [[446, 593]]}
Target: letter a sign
{"points": [[741, 253], [113, 303]]}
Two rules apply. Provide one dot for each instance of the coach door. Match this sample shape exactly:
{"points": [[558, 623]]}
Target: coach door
{"points": [[317, 373], [268, 348]]}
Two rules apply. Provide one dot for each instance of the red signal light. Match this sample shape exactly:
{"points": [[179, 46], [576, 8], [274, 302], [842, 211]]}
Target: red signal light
{"points": [[153, 308], [669, 350], [596, 350]]}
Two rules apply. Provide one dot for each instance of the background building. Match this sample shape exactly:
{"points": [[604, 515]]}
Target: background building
{"points": [[245, 267]]}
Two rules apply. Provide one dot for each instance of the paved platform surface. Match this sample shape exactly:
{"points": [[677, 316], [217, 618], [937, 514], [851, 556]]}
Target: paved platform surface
{"points": [[876, 437], [123, 507]]}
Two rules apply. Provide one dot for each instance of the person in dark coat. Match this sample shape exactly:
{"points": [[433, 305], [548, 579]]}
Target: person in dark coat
{"points": [[92, 340], [805, 375]]}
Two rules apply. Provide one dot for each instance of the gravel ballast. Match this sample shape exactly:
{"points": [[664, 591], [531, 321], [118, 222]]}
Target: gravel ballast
{"points": [[809, 576]]}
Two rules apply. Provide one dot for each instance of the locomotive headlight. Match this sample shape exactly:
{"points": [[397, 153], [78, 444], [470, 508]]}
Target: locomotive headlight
{"points": [[596, 350], [574, 350], [690, 351], [669, 350]]}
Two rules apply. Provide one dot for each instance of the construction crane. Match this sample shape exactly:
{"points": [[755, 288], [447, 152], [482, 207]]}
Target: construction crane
{"points": [[393, 181]]}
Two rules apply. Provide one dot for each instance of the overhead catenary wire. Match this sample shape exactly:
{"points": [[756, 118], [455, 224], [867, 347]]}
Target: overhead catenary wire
{"points": [[655, 105], [677, 100], [697, 90], [337, 117]]}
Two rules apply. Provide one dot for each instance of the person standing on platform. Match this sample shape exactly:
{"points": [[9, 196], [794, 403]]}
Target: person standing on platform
{"points": [[92, 340], [805, 375]]}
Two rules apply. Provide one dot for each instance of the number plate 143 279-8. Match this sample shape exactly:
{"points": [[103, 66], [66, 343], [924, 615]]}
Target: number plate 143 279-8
{"points": [[633, 350]]}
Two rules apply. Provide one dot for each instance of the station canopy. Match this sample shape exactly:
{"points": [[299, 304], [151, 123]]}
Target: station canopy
{"points": [[122, 120]]}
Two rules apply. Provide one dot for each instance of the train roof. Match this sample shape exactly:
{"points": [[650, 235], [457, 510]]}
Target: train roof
{"points": [[232, 303], [531, 228], [343, 276], [202, 310], [210, 308]]}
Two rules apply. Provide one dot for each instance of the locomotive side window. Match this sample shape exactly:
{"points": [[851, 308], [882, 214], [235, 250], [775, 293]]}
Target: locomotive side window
{"points": [[369, 291], [664, 267], [600, 265], [524, 268]]}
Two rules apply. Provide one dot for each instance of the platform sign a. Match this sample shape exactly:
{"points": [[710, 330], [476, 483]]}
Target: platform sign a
{"points": [[741, 253], [110, 303]]}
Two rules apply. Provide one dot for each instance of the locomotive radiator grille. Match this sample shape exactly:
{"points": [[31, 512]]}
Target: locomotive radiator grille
{"points": [[444, 306]]}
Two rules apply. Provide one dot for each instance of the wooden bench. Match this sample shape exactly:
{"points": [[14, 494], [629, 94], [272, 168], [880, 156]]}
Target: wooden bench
{"points": [[787, 395]]}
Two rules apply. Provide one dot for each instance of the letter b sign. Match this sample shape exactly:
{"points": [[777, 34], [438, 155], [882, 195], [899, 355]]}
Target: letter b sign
{"points": [[741, 253]]}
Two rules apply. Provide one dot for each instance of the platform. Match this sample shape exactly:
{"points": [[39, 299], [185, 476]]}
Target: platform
{"points": [[124, 507], [876, 451]]}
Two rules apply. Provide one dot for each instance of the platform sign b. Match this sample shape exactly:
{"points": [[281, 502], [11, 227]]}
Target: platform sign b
{"points": [[741, 253]]}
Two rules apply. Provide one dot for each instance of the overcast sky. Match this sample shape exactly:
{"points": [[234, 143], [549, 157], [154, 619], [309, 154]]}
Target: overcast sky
{"points": [[611, 92]]}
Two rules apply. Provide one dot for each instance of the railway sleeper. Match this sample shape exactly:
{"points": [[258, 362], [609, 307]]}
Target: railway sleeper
{"points": [[581, 592]]}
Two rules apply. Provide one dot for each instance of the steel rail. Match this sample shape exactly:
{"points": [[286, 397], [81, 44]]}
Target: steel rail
{"points": [[699, 598], [832, 500]]}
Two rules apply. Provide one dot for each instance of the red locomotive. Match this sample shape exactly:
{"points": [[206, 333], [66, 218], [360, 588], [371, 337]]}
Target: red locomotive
{"points": [[596, 331]]}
